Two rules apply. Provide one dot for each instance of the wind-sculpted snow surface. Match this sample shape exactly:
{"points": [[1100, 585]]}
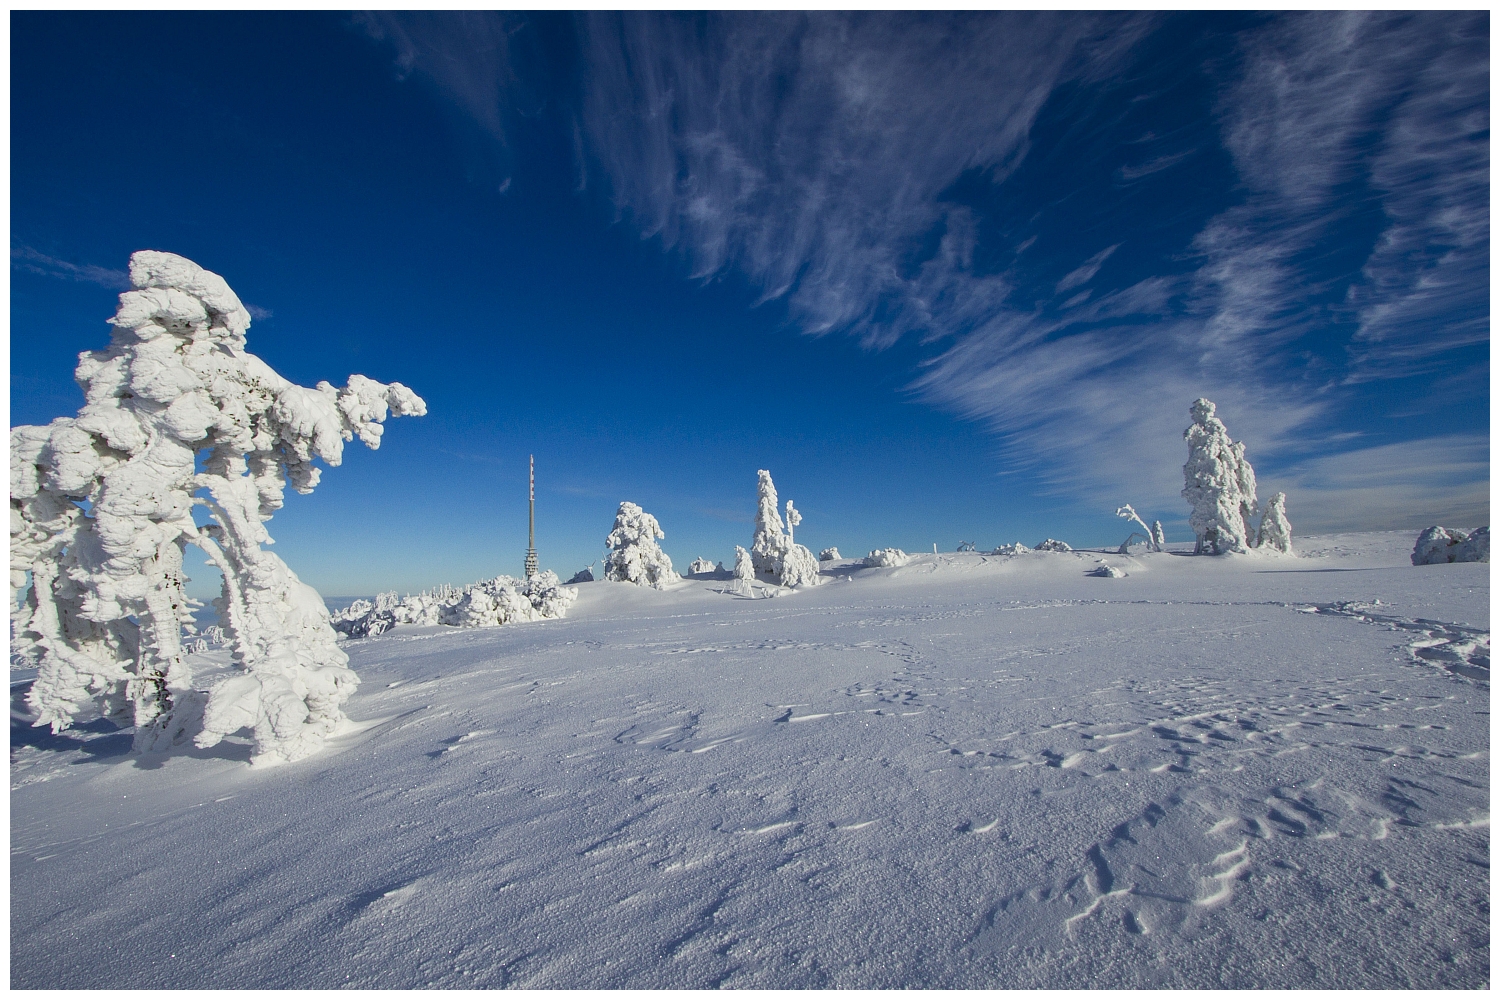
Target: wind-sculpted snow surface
{"points": [[975, 772], [178, 415], [501, 601]]}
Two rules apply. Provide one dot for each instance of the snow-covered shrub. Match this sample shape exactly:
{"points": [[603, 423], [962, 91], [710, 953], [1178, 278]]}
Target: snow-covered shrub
{"points": [[1275, 530], [829, 553], [772, 550], [700, 567], [1013, 549], [966, 547], [1439, 545], [1218, 483], [501, 601], [1053, 545], [1107, 571], [634, 556], [1475, 548], [179, 415], [887, 557]]}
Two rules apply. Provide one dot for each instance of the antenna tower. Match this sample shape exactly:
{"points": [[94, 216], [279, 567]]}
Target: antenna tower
{"points": [[531, 528]]}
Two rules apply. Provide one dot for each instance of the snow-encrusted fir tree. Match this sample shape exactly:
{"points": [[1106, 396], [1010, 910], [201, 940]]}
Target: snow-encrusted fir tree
{"points": [[772, 550], [769, 541], [1219, 485], [634, 556], [1275, 530], [744, 574], [179, 415]]}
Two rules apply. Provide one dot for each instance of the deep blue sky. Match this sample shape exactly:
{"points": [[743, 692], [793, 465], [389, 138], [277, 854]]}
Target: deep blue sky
{"points": [[948, 277]]}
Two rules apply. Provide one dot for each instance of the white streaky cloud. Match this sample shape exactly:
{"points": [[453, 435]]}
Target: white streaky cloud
{"points": [[1427, 288], [810, 151], [29, 259], [814, 154], [1411, 484], [469, 55], [1086, 271]]}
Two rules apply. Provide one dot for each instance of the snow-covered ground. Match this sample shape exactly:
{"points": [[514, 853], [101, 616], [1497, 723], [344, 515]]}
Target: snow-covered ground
{"points": [[968, 771]]}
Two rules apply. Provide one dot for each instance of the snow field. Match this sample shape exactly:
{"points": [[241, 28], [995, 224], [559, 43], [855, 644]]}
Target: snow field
{"points": [[967, 771]]}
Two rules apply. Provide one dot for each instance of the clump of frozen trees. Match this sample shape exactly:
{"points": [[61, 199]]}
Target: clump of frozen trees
{"points": [[828, 554], [773, 553], [1053, 545], [1439, 545], [704, 567], [501, 601], [886, 558], [1219, 484], [1013, 549], [179, 416], [634, 555]]}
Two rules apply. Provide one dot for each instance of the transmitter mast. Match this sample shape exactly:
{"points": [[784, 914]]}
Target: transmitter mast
{"points": [[531, 528]]}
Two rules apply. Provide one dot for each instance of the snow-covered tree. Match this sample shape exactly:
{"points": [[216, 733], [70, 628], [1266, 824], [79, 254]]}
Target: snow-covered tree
{"points": [[1275, 530], [634, 556], [886, 558], [501, 601], [744, 573], [700, 567], [1439, 545], [770, 541], [1475, 548], [1053, 545], [799, 567], [828, 553], [1128, 512], [1158, 536], [1013, 549], [772, 550], [1219, 485], [179, 415]]}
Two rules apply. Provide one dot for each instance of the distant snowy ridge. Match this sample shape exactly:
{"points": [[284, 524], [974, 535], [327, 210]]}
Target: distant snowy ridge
{"points": [[501, 601]]}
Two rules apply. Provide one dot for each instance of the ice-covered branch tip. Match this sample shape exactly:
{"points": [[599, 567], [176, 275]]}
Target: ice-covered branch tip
{"points": [[178, 414]]}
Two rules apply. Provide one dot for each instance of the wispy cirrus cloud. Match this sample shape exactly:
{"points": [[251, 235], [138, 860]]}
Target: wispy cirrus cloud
{"points": [[32, 260], [1410, 484], [818, 154]]}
